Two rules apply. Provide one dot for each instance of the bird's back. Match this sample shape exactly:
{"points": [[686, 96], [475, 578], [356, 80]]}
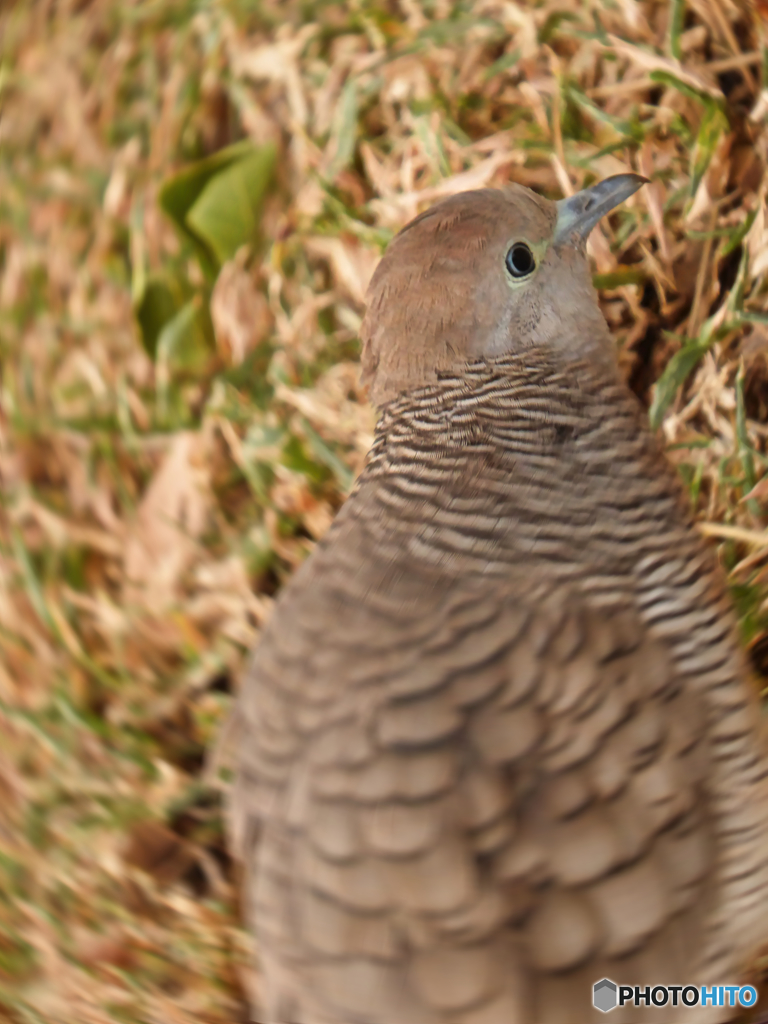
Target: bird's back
{"points": [[498, 741]]}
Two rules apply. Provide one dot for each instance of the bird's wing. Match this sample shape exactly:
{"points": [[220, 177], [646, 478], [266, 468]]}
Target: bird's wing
{"points": [[471, 813]]}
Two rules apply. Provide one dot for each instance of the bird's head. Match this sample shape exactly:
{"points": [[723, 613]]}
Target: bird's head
{"points": [[484, 274]]}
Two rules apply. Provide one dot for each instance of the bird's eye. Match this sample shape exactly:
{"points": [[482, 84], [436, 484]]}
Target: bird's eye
{"points": [[520, 260]]}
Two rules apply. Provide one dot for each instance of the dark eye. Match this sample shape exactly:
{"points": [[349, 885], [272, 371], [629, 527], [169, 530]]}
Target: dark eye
{"points": [[520, 260]]}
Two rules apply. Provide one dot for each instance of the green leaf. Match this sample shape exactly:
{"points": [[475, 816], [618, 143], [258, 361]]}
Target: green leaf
{"points": [[738, 235], [448, 30], [184, 345], [344, 128], [295, 457], [184, 349], [714, 125], [699, 95], [695, 483], [504, 63], [329, 458], [227, 212], [262, 449], [674, 376], [748, 600], [161, 299], [734, 304], [551, 26], [30, 580], [632, 130], [179, 193], [622, 276], [683, 362], [676, 25], [250, 378]]}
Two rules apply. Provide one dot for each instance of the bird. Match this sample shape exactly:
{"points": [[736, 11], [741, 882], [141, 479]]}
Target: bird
{"points": [[498, 740]]}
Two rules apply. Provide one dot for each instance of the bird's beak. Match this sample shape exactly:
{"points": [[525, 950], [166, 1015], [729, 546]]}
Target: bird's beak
{"points": [[578, 215]]}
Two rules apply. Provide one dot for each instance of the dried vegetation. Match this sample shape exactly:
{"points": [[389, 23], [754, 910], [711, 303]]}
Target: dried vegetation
{"points": [[160, 484]]}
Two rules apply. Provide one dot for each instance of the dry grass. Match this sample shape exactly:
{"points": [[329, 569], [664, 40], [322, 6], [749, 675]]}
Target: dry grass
{"points": [[152, 507]]}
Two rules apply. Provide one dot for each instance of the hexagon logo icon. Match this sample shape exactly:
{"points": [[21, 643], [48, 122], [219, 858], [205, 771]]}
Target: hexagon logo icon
{"points": [[604, 995]]}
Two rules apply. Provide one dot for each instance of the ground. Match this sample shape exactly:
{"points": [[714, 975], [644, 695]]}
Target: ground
{"points": [[180, 413]]}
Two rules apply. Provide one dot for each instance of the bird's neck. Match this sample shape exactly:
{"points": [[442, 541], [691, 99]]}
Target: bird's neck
{"points": [[516, 456], [515, 405]]}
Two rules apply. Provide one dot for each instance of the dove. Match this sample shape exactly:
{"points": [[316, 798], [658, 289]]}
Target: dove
{"points": [[498, 740]]}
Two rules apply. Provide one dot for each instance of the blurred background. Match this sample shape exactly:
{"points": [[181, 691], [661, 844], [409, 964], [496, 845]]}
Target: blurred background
{"points": [[193, 196]]}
